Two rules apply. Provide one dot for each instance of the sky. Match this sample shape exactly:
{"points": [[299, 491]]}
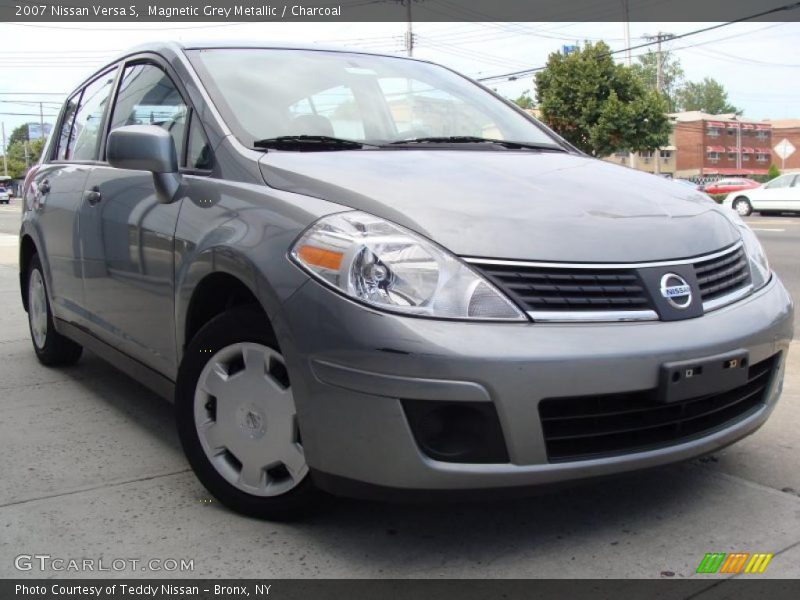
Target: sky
{"points": [[758, 63]]}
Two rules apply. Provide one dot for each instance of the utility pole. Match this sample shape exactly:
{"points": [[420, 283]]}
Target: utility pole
{"points": [[27, 159], [659, 37], [627, 35], [41, 121], [410, 31]]}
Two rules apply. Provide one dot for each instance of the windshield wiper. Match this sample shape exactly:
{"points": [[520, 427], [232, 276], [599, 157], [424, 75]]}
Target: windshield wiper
{"points": [[468, 139], [308, 142]]}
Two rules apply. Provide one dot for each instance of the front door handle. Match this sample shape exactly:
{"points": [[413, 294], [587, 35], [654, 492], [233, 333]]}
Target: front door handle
{"points": [[93, 196]]}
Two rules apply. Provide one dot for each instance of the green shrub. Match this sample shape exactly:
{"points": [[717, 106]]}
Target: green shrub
{"points": [[773, 172]]}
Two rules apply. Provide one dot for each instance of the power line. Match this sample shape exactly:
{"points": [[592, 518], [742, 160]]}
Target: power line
{"points": [[31, 102], [20, 114], [786, 7], [716, 40], [724, 56]]}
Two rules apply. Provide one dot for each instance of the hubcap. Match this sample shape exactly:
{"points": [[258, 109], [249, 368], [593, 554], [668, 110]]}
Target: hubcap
{"points": [[742, 208], [246, 420], [37, 309]]}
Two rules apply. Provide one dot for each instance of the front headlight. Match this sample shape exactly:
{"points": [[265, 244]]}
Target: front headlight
{"points": [[386, 266], [759, 266]]}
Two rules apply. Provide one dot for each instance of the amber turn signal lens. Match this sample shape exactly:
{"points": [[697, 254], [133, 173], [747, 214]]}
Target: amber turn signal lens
{"points": [[319, 257]]}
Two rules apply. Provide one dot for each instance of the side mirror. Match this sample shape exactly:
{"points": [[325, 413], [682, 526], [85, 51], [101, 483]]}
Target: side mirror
{"points": [[147, 148]]}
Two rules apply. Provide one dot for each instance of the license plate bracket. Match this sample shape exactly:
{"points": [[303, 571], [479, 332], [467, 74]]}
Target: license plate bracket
{"points": [[685, 379]]}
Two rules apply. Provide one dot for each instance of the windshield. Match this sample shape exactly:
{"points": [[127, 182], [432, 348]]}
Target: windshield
{"points": [[269, 93]]}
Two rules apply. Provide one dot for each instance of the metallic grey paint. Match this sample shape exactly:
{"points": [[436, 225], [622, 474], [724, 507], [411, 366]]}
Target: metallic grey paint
{"points": [[123, 271]]}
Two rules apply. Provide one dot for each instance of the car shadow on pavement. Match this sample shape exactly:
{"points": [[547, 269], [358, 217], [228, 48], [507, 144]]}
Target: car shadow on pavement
{"points": [[152, 414], [610, 512]]}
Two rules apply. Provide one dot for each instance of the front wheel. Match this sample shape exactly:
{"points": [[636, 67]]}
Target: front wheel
{"points": [[237, 420], [742, 206]]}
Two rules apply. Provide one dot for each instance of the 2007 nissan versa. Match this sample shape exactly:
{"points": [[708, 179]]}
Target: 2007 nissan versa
{"points": [[368, 275]]}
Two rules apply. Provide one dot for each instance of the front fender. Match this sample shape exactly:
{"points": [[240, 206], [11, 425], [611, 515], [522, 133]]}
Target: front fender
{"points": [[245, 231]]}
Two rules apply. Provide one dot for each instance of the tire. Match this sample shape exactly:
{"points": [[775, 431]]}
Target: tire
{"points": [[52, 348], [742, 206], [237, 422]]}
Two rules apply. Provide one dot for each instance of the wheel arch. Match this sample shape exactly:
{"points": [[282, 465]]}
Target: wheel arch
{"points": [[215, 281], [27, 248]]}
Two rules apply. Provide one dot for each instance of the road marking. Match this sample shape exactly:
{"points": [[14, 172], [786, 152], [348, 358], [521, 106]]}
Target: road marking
{"points": [[765, 229], [782, 222], [8, 240]]}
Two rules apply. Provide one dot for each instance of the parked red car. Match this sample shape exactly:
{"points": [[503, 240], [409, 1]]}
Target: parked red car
{"points": [[726, 186]]}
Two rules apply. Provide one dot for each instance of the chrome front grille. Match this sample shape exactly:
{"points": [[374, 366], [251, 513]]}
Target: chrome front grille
{"points": [[722, 275], [592, 292], [556, 289]]}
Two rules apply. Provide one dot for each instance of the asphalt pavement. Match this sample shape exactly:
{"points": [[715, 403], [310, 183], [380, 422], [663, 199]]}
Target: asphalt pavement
{"points": [[93, 468]]}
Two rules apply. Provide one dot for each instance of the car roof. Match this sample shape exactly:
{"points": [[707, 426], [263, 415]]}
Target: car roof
{"points": [[173, 49], [179, 47]]}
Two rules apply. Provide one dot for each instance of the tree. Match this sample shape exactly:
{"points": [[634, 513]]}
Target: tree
{"points": [[20, 134], [708, 96], [773, 172], [599, 106], [524, 100], [17, 165], [672, 75]]}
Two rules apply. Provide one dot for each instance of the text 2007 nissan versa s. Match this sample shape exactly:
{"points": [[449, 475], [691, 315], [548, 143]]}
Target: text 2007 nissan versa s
{"points": [[369, 275]]}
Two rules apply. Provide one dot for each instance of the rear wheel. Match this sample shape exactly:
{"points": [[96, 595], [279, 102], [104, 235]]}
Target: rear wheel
{"points": [[52, 348], [742, 206], [237, 419]]}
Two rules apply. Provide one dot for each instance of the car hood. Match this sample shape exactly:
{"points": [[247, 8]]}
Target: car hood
{"points": [[506, 204]]}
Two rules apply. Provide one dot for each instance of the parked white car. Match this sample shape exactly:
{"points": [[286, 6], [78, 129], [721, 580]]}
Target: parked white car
{"points": [[780, 194], [5, 197]]}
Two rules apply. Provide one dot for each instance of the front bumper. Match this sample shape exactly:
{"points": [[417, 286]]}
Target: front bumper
{"points": [[351, 366]]}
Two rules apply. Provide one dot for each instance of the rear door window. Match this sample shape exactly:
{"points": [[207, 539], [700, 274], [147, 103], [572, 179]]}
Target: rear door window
{"points": [[89, 118], [65, 134]]}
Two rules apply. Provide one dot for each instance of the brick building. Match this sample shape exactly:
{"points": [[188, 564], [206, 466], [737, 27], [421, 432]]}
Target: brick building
{"points": [[786, 129], [720, 145], [646, 161]]}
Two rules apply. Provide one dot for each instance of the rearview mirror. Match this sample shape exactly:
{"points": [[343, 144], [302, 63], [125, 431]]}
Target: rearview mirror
{"points": [[147, 148]]}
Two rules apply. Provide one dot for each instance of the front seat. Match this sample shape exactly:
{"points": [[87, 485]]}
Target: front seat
{"points": [[312, 125]]}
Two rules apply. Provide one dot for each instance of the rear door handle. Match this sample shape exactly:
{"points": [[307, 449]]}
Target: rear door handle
{"points": [[93, 196]]}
